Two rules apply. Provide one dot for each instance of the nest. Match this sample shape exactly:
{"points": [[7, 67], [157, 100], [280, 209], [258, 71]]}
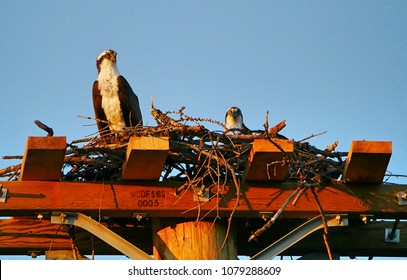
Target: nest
{"points": [[198, 157]]}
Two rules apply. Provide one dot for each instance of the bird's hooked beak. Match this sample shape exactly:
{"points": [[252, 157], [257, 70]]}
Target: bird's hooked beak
{"points": [[113, 55], [109, 55], [234, 112]]}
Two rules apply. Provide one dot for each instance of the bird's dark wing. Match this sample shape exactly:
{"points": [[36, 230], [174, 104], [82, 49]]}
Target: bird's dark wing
{"points": [[245, 130], [130, 104], [99, 113]]}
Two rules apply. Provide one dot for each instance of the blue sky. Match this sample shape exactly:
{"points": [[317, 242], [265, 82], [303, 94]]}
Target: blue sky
{"points": [[335, 66]]}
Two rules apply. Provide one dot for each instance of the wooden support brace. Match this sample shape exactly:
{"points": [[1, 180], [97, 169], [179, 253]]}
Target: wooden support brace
{"points": [[266, 160], [145, 158], [43, 158], [367, 161]]}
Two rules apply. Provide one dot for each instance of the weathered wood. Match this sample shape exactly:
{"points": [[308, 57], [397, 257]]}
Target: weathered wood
{"points": [[358, 239], [266, 160], [63, 255], [145, 158], [367, 161], [22, 236], [43, 158], [191, 240], [159, 200]]}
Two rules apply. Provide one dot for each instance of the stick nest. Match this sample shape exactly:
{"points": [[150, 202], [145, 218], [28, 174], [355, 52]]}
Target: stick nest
{"points": [[197, 155]]}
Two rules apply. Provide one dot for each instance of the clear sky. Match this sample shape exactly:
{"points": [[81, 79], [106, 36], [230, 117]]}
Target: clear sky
{"points": [[335, 66]]}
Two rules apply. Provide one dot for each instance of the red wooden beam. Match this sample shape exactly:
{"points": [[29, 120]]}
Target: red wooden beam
{"points": [[159, 200]]}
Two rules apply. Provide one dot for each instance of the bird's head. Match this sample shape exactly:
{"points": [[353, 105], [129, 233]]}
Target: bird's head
{"points": [[234, 118], [106, 58]]}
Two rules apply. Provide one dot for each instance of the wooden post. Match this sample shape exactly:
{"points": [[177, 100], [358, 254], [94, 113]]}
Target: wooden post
{"points": [[191, 240]]}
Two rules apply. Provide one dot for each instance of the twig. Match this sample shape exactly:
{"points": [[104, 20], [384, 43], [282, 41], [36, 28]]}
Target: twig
{"points": [[321, 211], [311, 136], [10, 169], [47, 129], [276, 216], [12, 157], [276, 129]]}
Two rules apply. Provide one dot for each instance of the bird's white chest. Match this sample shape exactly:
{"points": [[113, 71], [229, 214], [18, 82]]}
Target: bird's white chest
{"points": [[232, 123], [109, 90]]}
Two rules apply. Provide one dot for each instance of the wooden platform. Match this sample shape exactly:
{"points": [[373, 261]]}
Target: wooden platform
{"points": [[140, 195]]}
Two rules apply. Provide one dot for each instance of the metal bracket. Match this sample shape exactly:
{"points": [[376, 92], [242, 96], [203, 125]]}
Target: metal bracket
{"points": [[97, 229], [34, 253], [388, 238], [299, 233], [3, 194], [402, 197], [392, 235], [42, 215], [265, 215], [139, 216], [201, 194], [366, 218]]}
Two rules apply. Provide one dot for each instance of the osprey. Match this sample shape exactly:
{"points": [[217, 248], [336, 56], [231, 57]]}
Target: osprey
{"points": [[234, 122], [115, 104]]}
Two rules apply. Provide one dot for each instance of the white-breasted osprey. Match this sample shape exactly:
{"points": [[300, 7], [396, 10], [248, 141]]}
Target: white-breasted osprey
{"points": [[114, 101], [234, 122]]}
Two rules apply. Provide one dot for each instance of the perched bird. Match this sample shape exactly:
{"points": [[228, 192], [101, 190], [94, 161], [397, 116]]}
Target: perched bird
{"points": [[234, 122], [115, 104]]}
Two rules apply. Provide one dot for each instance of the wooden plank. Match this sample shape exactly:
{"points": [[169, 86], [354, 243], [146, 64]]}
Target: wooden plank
{"points": [[159, 199], [145, 158], [20, 236], [43, 158], [266, 160], [367, 161]]}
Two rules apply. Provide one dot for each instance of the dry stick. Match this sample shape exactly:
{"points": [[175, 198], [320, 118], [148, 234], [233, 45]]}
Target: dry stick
{"points": [[47, 129], [9, 169], [222, 161], [237, 185], [94, 119], [276, 216], [274, 142], [12, 157], [14, 174], [325, 234], [312, 135], [297, 197], [276, 129]]}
